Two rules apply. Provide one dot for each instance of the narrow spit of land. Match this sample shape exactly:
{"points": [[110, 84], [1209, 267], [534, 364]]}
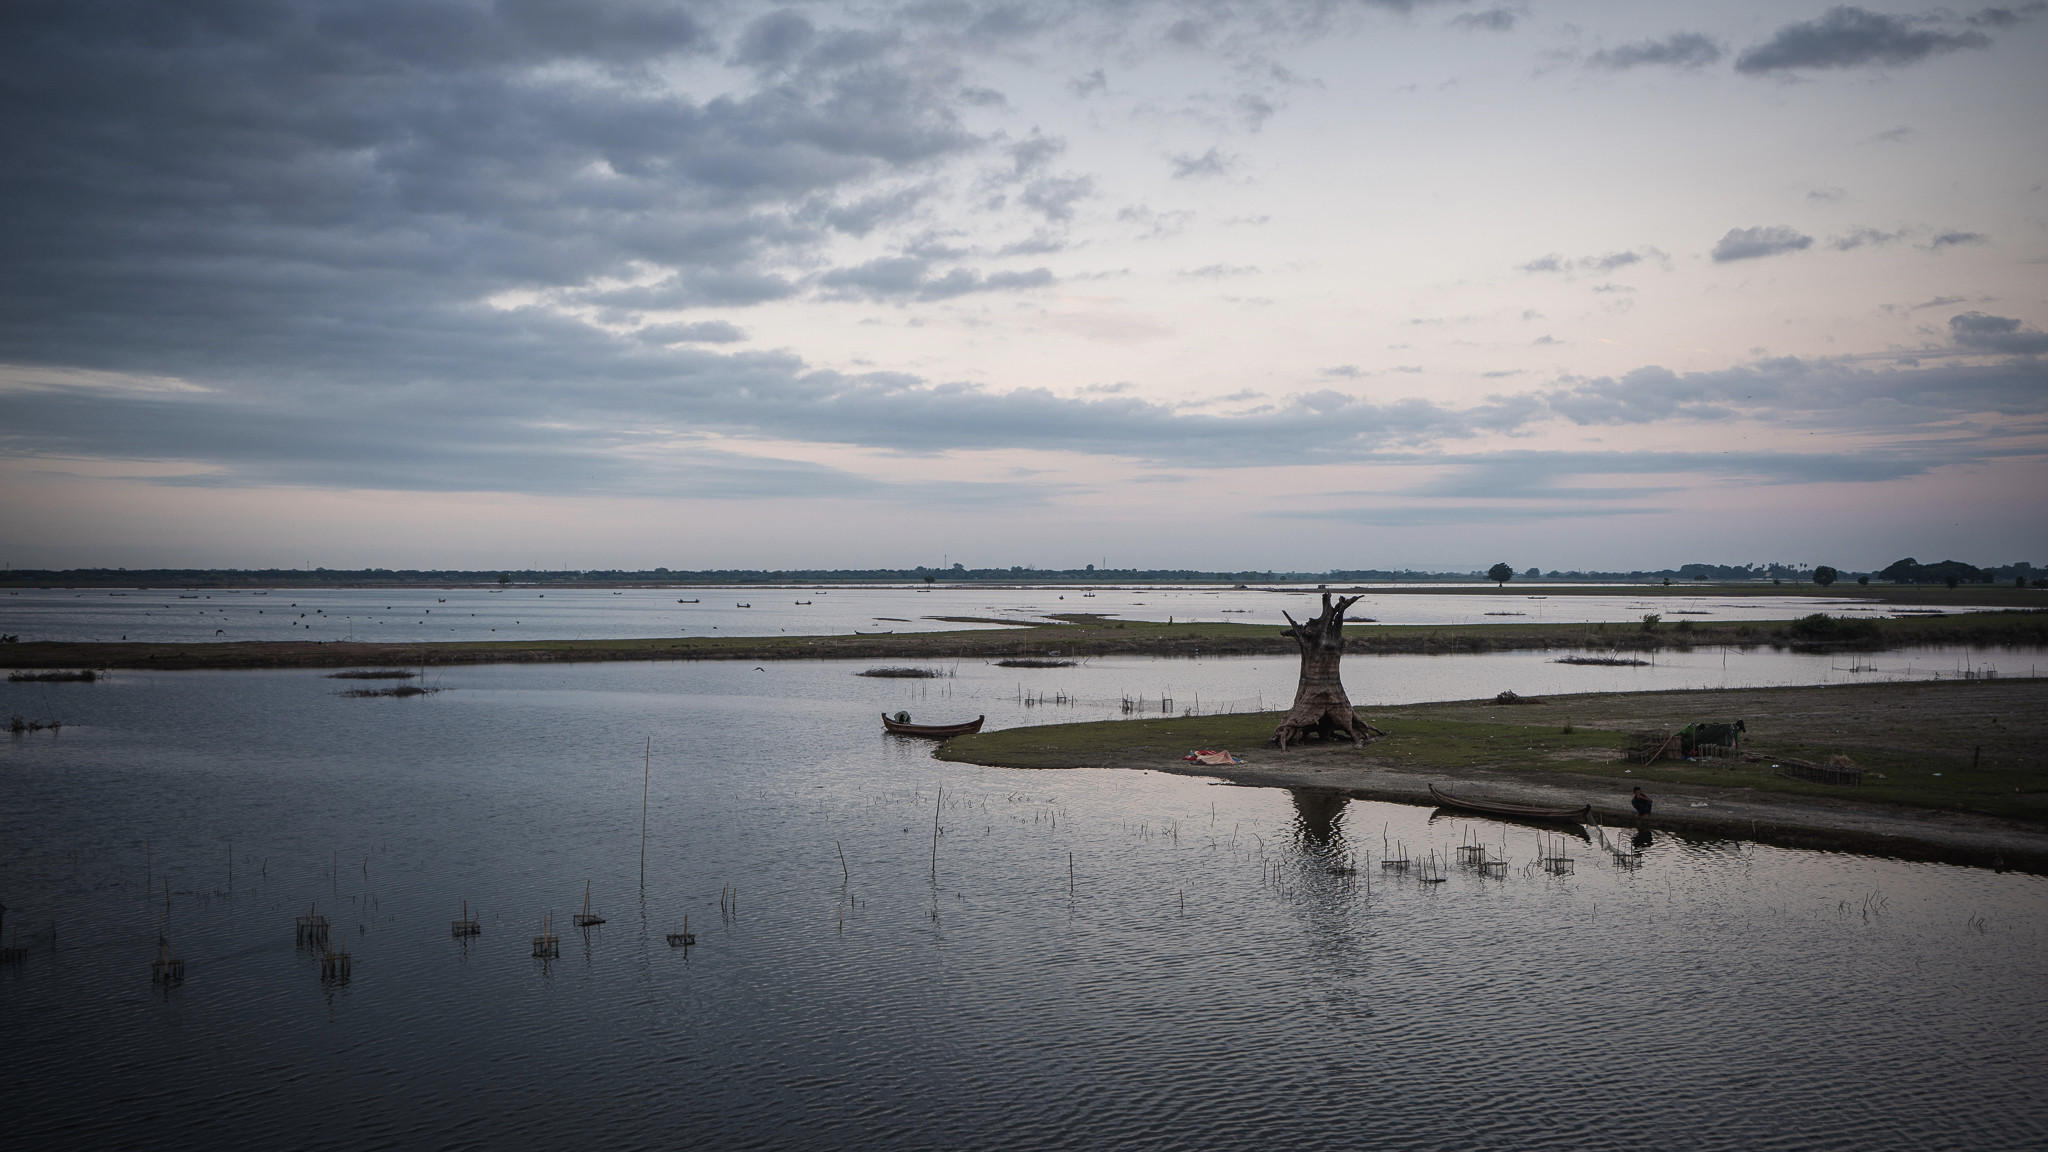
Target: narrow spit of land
{"points": [[1955, 770], [1075, 635]]}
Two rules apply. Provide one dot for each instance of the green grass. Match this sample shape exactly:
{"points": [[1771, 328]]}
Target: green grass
{"points": [[1918, 777]]}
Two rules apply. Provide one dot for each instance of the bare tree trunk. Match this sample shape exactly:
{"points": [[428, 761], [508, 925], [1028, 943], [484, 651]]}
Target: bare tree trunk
{"points": [[1320, 705]]}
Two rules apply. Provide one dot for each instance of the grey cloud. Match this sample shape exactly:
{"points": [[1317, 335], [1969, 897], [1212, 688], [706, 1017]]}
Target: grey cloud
{"points": [[1219, 271], [1841, 394], [908, 278], [1848, 37], [1491, 20], [701, 332], [1034, 154], [1089, 85], [1557, 262], [693, 288], [1414, 516], [1344, 371], [774, 41], [1678, 50], [1858, 237], [864, 215], [1952, 239], [1055, 196], [1751, 243], [1214, 162], [1254, 110], [1997, 334]]}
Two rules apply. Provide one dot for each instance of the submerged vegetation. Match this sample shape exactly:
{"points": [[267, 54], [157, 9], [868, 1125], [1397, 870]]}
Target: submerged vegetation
{"points": [[83, 676], [373, 674], [900, 673]]}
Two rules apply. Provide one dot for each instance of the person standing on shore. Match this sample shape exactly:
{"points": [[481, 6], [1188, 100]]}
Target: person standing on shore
{"points": [[1641, 802]]}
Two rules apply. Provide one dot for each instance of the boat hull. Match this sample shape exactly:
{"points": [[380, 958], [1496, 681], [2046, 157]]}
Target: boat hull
{"points": [[1503, 808], [934, 731]]}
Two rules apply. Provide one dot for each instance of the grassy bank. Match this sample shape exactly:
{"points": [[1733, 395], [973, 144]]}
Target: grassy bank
{"points": [[1078, 635], [1970, 746]]}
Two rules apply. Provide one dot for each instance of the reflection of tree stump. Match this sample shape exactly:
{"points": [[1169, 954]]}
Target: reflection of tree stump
{"points": [[1320, 705]]}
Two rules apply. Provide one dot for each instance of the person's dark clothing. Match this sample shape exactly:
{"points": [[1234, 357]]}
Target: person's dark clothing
{"points": [[1641, 802]]}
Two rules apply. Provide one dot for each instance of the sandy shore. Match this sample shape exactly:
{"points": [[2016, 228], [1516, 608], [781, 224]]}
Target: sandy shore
{"points": [[1688, 809]]}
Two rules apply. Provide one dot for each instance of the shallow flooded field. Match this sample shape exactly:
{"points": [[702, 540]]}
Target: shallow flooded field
{"points": [[892, 950], [383, 615]]}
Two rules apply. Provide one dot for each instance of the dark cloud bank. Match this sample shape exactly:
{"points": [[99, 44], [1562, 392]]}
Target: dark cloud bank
{"points": [[302, 207]]}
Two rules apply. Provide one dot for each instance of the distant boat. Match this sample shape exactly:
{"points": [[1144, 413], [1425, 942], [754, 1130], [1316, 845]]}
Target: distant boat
{"points": [[743, 605], [938, 731], [858, 632], [686, 601], [800, 601], [1503, 808]]}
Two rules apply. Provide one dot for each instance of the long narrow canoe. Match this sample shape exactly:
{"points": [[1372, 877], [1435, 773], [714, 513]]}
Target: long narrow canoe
{"points": [[941, 731], [1503, 808]]}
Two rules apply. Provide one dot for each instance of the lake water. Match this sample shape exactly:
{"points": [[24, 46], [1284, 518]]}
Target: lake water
{"points": [[171, 615], [1087, 959]]}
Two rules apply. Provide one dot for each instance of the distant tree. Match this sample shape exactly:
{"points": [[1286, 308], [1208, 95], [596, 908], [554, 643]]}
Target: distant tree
{"points": [[1863, 580], [1532, 574], [2019, 581], [504, 577], [1951, 580], [1824, 575], [928, 579], [1500, 574]]}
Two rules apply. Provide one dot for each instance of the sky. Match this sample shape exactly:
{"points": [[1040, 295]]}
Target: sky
{"points": [[1266, 284]]}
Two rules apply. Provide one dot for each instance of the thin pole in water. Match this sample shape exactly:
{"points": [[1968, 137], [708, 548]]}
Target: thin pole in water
{"points": [[646, 774], [935, 831]]}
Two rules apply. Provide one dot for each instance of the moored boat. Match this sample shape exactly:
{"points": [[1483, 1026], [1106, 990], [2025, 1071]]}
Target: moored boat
{"points": [[940, 731], [1503, 808]]}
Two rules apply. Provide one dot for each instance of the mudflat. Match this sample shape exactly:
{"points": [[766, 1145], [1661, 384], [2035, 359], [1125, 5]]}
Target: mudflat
{"points": [[1076, 634], [1954, 771]]}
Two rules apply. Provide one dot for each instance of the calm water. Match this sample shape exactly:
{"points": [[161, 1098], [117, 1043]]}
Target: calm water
{"points": [[1205, 982], [173, 615]]}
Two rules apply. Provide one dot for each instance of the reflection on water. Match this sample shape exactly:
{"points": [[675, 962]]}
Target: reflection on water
{"points": [[1070, 959], [1318, 821]]}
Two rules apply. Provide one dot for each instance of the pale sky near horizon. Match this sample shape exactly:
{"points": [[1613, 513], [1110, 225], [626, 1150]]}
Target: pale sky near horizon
{"points": [[452, 283]]}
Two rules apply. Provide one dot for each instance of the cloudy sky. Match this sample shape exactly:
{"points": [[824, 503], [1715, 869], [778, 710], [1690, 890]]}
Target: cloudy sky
{"points": [[613, 283]]}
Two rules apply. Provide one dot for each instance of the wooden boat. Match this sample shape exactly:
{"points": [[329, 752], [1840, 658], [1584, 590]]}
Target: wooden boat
{"points": [[938, 731], [1503, 808]]}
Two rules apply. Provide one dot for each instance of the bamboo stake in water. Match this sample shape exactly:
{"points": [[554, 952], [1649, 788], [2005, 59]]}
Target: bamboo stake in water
{"points": [[935, 832], [646, 774]]}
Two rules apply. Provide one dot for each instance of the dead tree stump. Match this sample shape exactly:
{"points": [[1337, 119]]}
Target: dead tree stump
{"points": [[1320, 705]]}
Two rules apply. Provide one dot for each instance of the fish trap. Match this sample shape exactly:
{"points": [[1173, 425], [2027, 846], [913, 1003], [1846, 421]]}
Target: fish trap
{"points": [[313, 928], [587, 918], [335, 966], [465, 926], [168, 968], [682, 939], [547, 945]]}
